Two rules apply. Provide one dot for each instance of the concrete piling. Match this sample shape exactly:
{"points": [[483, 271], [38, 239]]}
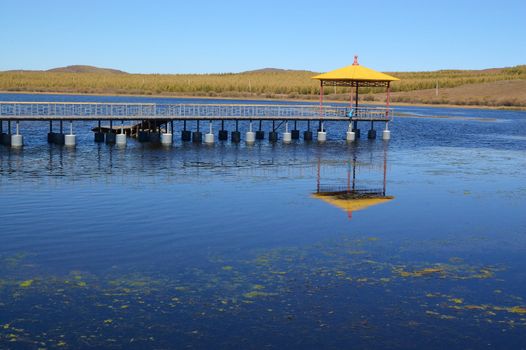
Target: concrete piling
{"points": [[287, 137], [250, 137], [322, 134], [70, 139], [350, 136], [167, 136], [209, 137], [121, 138], [17, 140], [386, 134]]}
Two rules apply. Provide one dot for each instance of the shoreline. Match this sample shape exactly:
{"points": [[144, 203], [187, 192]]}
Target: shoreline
{"points": [[401, 104]]}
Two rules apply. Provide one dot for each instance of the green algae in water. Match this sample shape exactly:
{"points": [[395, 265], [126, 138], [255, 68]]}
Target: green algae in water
{"points": [[26, 283], [269, 280]]}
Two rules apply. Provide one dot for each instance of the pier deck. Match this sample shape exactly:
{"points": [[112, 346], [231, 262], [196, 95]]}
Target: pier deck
{"points": [[19, 111]]}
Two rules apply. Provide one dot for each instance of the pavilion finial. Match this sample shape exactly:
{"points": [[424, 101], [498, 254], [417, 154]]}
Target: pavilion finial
{"points": [[355, 63]]}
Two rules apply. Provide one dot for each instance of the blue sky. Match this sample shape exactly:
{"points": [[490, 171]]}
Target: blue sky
{"points": [[201, 36]]}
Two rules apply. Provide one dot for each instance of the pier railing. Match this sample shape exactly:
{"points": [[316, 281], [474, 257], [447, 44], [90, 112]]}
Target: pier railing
{"points": [[143, 111]]}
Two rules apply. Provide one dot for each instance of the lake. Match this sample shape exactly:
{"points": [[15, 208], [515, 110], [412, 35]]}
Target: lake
{"points": [[237, 246]]}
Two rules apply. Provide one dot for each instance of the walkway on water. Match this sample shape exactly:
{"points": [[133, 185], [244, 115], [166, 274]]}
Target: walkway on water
{"points": [[151, 117], [151, 111]]}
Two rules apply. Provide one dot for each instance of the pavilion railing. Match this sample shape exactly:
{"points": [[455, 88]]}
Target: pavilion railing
{"points": [[76, 110], [371, 113]]}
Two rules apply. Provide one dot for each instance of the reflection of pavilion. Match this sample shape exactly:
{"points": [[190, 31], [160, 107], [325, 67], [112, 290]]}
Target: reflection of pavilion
{"points": [[351, 197]]}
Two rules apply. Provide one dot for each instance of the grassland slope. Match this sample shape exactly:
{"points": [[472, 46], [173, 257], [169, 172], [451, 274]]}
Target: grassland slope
{"points": [[495, 87]]}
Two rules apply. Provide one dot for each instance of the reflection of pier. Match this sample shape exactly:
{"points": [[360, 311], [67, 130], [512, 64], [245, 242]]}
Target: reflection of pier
{"points": [[352, 197]]}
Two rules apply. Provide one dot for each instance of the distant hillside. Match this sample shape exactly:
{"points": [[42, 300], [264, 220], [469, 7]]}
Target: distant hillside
{"points": [[495, 87], [85, 69], [274, 70]]}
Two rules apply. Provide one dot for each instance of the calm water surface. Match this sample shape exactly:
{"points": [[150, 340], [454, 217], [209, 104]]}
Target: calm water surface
{"points": [[227, 246]]}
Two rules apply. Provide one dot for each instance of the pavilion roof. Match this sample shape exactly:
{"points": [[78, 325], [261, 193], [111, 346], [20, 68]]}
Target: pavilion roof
{"points": [[355, 73]]}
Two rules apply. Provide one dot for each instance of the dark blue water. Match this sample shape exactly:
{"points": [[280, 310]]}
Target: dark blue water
{"points": [[227, 246]]}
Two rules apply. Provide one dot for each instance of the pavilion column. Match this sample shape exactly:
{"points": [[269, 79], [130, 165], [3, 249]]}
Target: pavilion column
{"points": [[386, 134], [322, 134], [355, 123], [321, 98]]}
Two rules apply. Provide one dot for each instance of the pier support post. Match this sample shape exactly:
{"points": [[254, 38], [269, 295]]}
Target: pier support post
{"points": [[70, 139], [287, 137], [371, 134], [322, 134], [307, 135], [273, 135], [356, 130], [235, 136], [186, 135], [17, 140], [3, 135], [260, 134], [121, 138], [167, 136], [250, 137], [295, 133], [386, 134], [50, 133], [110, 136], [6, 137], [209, 137], [155, 136], [223, 134], [58, 137], [350, 136], [197, 136], [99, 135]]}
